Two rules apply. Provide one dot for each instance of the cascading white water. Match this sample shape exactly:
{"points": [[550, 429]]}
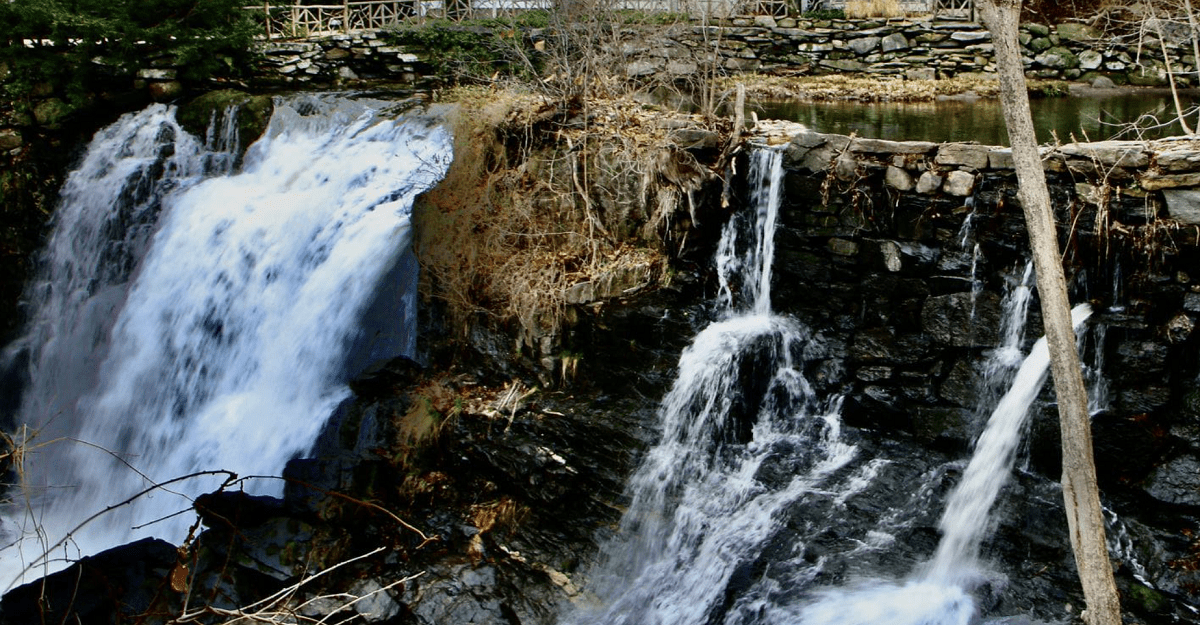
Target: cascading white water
{"points": [[707, 497], [746, 445], [937, 593], [965, 520], [194, 319]]}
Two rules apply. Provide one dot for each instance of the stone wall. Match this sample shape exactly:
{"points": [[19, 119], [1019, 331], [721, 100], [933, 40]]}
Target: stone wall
{"points": [[903, 252], [914, 48], [342, 59]]}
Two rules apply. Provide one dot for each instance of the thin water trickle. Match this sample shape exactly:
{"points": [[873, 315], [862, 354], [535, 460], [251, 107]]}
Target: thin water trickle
{"points": [[200, 317], [965, 519]]}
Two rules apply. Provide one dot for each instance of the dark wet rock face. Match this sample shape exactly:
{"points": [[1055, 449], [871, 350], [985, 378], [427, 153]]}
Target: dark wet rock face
{"points": [[115, 586], [912, 281]]}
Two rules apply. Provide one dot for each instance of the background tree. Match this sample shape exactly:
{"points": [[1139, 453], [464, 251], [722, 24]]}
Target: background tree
{"points": [[71, 43], [1080, 491]]}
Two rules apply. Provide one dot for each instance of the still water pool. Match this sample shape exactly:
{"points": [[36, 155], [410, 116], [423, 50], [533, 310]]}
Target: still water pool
{"points": [[1094, 113]]}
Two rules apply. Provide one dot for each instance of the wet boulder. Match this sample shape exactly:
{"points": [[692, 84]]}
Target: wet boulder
{"points": [[114, 586]]}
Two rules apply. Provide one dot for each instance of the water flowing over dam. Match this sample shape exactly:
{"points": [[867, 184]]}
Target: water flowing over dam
{"points": [[730, 512], [193, 316]]}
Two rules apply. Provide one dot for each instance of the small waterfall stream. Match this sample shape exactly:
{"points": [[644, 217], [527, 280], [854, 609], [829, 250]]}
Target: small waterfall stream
{"points": [[193, 318], [716, 531]]}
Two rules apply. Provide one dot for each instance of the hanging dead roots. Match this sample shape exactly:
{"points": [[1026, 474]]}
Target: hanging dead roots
{"points": [[552, 205]]}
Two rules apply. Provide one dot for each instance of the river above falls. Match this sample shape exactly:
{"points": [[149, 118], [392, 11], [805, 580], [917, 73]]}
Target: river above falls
{"points": [[1095, 114]]}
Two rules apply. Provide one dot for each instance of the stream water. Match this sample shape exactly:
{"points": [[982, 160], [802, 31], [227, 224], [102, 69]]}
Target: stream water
{"points": [[191, 317], [1099, 115], [759, 506]]}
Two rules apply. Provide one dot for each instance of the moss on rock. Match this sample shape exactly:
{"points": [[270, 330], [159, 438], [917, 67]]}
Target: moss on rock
{"points": [[253, 115]]}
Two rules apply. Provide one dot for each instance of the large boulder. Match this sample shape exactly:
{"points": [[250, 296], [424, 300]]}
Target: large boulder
{"points": [[1177, 481], [1072, 31], [1058, 58]]}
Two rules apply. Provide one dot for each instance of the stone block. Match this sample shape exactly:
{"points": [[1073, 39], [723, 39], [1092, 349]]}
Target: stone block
{"points": [[1178, 161], [1119, 153], [846, 168], [863, 45], [842, 247], [742, 65], [695, 138], [10, 138], [1156, 182], [921, 73], [846, 65], [681, 68], [1038, 30], [156, 74], [971, 36], [962, 319], [51, 111], [894, 42], [1150, 73], [1183, 205], [1073, 31], [883, 146], [643, 67], [964, 154], [960, 183], [815, 47], [1177, 481], [889, 253], [1058, 58], [1040, 44], [1090, 60], [928, 183], [899, 179]]}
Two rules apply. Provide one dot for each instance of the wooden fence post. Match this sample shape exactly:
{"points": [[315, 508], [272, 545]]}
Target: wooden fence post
{"points": [[267, 16], [346, 16]]}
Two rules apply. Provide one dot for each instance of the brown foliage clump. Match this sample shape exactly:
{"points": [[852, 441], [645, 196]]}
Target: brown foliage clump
{"points": [[544, 196]]}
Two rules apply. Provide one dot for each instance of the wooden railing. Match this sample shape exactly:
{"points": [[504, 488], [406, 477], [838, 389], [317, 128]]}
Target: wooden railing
{"points": [[284, 20], [960, 9], [291, 21]]}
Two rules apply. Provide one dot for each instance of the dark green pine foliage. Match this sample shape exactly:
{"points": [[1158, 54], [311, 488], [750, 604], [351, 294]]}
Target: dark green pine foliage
{"points": [[71, 44]]}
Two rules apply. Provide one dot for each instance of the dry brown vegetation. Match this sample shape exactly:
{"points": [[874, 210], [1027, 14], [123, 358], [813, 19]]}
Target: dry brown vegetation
{"points": [[857, 9], [877, 89], [544, 195]]}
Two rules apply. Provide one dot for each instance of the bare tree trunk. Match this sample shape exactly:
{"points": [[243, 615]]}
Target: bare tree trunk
{"points": [[1080, 492]]}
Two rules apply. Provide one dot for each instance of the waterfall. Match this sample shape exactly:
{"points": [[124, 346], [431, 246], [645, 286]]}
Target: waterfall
{"points": [[937, 593], [191, 318], [966, 516], [743, 437], [748, 504]]}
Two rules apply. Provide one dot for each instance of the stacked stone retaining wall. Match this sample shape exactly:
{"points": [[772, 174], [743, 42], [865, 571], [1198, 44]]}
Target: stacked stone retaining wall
{"points": [[908, 248], [913, 48]]}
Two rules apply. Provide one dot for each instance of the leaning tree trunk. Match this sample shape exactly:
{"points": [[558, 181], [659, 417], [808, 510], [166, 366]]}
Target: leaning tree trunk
{"points": [[1084, 517]]}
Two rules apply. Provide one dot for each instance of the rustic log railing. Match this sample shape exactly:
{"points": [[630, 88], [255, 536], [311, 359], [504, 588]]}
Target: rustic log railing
{"points": [[960, 9], [290, 21], [284, 20]]}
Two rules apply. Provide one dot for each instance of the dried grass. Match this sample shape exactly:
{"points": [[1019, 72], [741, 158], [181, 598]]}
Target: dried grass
{"points": [[838, 87], [542, 197], [858, 9]]}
